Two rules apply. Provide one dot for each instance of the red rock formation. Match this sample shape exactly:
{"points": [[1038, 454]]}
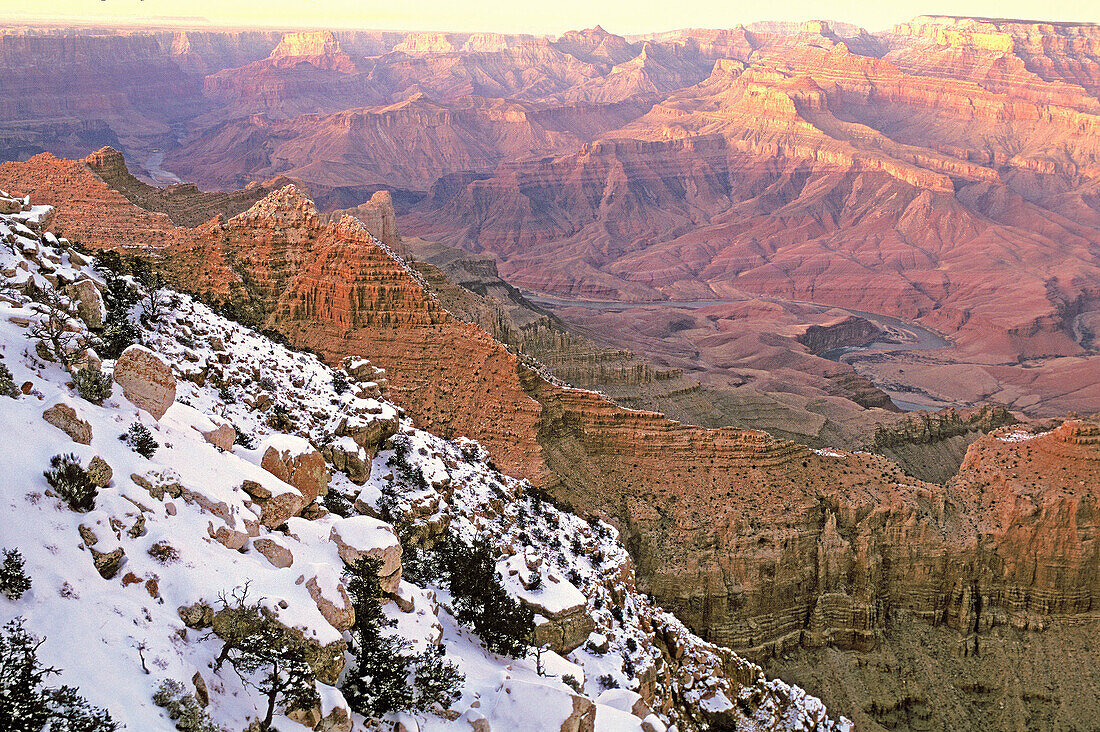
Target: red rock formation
{"points": [[758, 543]]}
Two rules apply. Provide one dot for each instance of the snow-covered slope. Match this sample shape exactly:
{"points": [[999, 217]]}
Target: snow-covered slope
{"points": [[203, 517]]}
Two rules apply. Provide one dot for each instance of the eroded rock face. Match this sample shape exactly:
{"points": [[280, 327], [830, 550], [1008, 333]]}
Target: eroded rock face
{"points": [[146, 380], [757, 543]]}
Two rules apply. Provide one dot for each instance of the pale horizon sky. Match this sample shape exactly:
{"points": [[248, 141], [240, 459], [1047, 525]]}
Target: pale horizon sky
{"points": [[617, 16]]}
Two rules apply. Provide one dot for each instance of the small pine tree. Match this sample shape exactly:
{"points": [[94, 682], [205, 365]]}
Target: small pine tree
{"points": [[481, 602], [437, 680], [281, 419], [25, 705], [118, 334], [57, 340], [7, 382], [92, 384], [243, 439], [71, 483], [13, 576], [378, 681], [141, 441], [339, 382]]}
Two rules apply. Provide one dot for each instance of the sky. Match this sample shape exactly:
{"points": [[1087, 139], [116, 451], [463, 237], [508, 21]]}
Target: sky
{"points": [[536, 16]]}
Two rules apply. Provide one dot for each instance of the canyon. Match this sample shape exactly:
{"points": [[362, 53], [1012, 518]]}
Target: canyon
{"points": [[760, 544], [685, 283]]}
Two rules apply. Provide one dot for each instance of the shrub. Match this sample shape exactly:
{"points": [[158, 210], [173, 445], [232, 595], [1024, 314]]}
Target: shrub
{"points": [[243, 439], [339, 382], [92, 384], [607, 681], [438, 681], [26, 705], [280, 419], [7, 383], [164, 552], [13, 577], [141, 441], [183, 708], [71, 483], [337, 503], [108, 262]]}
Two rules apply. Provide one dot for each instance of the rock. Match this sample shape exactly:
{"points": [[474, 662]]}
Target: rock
{"points": [[293, 460], [99, 472], [87, 535], [89, 303], [276, 510], [347, 456], [326, 661], [337, 720], [308, 717], [146, 380], [360, 536], [223, 436], [583, 718], [256, 490], [159, 483], [229, 538], [198, 615], [332, 600], [107, 563], [202, 696], [277, 554], [66, 419]]}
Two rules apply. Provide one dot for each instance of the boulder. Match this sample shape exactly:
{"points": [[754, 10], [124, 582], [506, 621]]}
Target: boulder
{"points": [[293, 460], [99, 472], [222, 436], [227, 537], [326, 661], [275, 553], [107, 563], [365, 536], [331, 599], [89, 303], [146, 380], [199, 615], [348, 457], [65, 418], [337, 720], [275, 508], [583, 718]]}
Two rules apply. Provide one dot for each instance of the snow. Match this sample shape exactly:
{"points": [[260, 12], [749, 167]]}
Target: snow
{"points": [[365, 533], [1016, 435]]}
